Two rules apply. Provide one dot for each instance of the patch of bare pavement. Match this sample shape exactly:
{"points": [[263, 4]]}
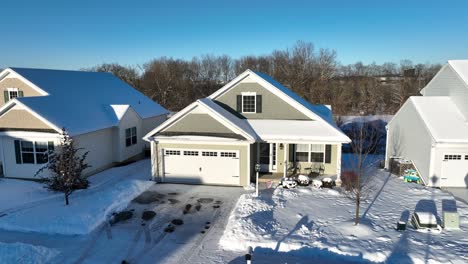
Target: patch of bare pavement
{"points": [[169, 223]]}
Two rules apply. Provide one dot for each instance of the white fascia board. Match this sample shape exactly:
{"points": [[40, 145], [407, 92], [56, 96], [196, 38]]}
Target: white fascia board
{"points": [[29, 134], [300, 141], [6, 107], [169, 122], [30, 84], [270, 87], [227, 122], [202, 142]]}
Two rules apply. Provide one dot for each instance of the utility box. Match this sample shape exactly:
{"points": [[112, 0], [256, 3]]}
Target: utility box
{"points": [[451, 220]]}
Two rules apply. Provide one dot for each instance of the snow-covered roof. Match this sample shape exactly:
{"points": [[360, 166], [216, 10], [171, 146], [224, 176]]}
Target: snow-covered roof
{"points": [[323, 111], [461, 67], [442, 117], [84, 101], [236, 124], [296, 131]]}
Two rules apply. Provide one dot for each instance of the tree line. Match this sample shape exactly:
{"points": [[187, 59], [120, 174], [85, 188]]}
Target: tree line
{"points": [[315, 74]]}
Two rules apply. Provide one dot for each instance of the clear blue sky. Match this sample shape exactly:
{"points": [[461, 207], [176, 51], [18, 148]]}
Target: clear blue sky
{"points": [[82, 33]]}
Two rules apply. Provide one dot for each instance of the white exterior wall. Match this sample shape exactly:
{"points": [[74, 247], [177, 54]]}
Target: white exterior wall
{"points": [[438, 173], [100, 145], [409, 138], [448, 83], [129, 120], [7, 148]]}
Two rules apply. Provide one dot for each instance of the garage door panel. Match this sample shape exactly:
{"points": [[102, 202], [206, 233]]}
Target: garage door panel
{"points": [[202, 166], [455, 170]]}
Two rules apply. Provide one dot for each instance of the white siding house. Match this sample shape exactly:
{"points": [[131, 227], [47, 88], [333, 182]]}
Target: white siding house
{"points": [[103, 114], [432, 130]]}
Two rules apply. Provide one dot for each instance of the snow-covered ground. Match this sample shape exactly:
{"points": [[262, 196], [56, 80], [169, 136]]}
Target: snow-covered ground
{"points": [[45, 212], [307, 225], [24, 253]]}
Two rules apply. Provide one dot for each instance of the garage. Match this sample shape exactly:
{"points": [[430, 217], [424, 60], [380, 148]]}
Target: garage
{"points": [[455, 170], [201, 166]]}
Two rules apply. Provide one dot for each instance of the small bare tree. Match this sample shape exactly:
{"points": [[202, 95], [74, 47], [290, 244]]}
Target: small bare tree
{"points": [[66, 166], [356, 179]]}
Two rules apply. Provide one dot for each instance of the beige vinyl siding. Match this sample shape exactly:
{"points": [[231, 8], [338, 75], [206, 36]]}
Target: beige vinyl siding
{"points": [[448, 83], [18, 119], [16, 83], [273, 107], [243, 149], [198, 123]]}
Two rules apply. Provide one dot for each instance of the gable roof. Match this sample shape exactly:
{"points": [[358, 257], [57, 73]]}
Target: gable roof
{"points": [[213, 109], [443, 119], [81, 101], [322, 113], [461, 67]]}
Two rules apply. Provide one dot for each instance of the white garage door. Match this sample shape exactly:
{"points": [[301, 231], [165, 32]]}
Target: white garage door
{"points": [[201, 166], [455, 170]]}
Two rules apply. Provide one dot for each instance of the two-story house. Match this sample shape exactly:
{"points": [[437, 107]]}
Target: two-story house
{"points": [[103, 114], [432, 130], [251, 120]]}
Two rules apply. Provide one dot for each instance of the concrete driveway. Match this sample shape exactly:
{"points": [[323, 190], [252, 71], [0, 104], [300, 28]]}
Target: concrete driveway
{"points": [[202, 209]]}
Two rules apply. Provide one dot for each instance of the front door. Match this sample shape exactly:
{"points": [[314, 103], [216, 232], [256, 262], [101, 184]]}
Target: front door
{"points": [[268, 157]]}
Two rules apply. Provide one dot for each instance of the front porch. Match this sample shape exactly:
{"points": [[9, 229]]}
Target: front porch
{"points": [[278, 160]]}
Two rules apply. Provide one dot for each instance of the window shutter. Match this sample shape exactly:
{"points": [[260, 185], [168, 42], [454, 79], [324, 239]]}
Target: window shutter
{"points": [[259, 103], [239, 103], [20, 94], [328, 154], [6, 96], [17, 152], [50, 146]]}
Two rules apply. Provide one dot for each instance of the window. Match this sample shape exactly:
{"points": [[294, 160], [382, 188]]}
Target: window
{"points": [[466, 157], [190, 153], [228, 154], [130, 136], [27, 152], [172, 152], [209, 153], [34, 152], [302, 152], [317, 152], [248, 102], [452, 157], [310, 152], [13, 93]]}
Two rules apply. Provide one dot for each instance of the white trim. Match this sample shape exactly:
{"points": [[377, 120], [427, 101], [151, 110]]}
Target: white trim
{"points": [[310, 151], [177, 117], [26, 134], [205, 142], [270, 87], [247, 183], [6, 107], [26, 81]]}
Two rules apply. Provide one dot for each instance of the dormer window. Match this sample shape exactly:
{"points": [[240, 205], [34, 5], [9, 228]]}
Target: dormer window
{"points": [[249, 102]]}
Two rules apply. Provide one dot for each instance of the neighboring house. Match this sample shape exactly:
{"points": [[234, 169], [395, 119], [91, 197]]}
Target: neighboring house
{"points": [[252, 119], [103, 114], [432, 130]]}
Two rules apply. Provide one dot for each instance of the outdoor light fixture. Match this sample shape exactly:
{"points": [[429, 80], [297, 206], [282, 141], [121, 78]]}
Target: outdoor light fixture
{"points": [[281, 146]]}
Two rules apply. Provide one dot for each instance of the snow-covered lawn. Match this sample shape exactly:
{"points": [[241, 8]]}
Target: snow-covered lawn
{"points": [[21, 253], [310, 224], [45, 212]]}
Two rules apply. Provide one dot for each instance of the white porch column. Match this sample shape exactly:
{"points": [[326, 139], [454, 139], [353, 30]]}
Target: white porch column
{"points": [[338, 165]]}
